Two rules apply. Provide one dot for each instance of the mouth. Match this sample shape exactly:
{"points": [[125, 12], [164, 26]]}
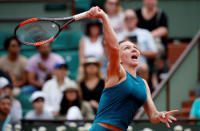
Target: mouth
{"points": [[134, 57]]}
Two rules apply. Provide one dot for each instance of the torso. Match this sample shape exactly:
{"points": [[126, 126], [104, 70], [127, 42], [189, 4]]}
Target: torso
{"points": [[128, 95]]}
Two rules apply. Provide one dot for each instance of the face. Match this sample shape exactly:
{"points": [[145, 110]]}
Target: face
{"points": [[44, 50], [111, 6], [94, 30], [91, 68], [150, 3], [71, 95], [129, 54], [38, 105], [130, 19], [6, 90], [60, 73], [14, 47], [5, 106]]}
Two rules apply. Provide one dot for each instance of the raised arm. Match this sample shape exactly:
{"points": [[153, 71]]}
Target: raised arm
{"points": [[110, 40], [154, 115]]}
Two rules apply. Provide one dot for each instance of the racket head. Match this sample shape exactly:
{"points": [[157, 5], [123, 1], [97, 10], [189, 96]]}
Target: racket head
{"points": [[37, 31]]}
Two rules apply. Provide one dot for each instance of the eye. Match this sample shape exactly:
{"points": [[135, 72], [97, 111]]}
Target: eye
{"points": [[126, 48]]}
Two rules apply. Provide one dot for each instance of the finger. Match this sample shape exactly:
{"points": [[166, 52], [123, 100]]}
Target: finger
{"points": [[172, 112], [169, 121], [167, 124], [163, 115], [172, 118]]}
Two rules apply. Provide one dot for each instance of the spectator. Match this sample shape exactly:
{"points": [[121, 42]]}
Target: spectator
{"points": [[155, 20], [6, 75], [16, 109], [72, 107], [39, 68], [195, 111], [13, 63], [39, 112], [144, 41], [91, 44], [5, 107], [91, 82], [53, 88], [116, 15]]}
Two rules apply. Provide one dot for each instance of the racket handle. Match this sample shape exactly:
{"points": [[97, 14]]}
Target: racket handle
{"points": [[80, 16]]}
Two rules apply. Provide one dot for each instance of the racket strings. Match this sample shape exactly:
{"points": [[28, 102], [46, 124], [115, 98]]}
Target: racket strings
{"points": [[38, 31]]}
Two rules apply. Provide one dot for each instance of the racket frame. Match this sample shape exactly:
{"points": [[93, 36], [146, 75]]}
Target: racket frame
{"points": [[68, 20]]}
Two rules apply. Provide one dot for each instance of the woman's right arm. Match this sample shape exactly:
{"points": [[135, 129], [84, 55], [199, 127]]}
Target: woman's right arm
{"points": [[112, 45]]}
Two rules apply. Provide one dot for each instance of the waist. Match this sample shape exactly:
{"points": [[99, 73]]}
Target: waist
{"points": [[110, 126]]}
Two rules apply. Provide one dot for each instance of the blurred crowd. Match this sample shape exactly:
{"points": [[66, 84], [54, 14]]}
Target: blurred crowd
{"points": [[44, 76]]}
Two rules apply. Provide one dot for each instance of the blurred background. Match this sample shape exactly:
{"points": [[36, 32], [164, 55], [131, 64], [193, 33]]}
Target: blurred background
{"points": [[58, 86]]}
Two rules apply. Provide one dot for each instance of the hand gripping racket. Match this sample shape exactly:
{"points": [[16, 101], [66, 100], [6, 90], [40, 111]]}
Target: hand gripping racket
{"points": [[40, 31]]}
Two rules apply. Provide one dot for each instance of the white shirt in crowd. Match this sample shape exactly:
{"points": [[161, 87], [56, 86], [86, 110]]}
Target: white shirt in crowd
{"points": [[118, 25], [45, 115], [54, 93], [145, 41], [94, 49]]}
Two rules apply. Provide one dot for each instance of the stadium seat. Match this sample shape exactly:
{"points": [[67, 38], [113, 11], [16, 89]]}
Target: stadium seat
{"points": [[71, 58], [82, 5], [3, 37], [2, 53], [25, 102], [28, 53], [67, 40]]}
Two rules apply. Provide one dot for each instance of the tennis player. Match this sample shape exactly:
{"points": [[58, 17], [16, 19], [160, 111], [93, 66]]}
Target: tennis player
{"points": [[125, 92]]}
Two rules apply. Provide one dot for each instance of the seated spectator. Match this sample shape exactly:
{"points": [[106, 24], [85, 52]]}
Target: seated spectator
{"points": [[91, 82], [13, 63], [39, 68], [152, 18], [91, 43], [16, 109], [53, 88], [39, 112], [143, 39], [5, 107], [195, 111], [116, 15], [72, 107]]}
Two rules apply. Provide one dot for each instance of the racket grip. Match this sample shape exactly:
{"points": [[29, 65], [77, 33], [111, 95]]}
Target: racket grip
{"points": [[80, 16]]}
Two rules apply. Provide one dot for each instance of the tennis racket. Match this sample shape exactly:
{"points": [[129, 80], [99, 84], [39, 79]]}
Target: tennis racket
{"points": [[40, 31]]}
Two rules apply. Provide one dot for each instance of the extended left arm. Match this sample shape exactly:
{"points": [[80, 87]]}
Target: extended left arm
{"points": [[154, 115]]}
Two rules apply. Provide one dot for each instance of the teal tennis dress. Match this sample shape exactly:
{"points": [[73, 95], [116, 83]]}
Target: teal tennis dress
{"points": [[118, 104]]}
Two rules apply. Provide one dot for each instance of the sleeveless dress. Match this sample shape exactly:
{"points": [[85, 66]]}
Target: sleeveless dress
{"points": [[118, 104]]}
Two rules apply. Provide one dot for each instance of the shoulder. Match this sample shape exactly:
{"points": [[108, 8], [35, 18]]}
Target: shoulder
{"points": [[56, 57], [49, 82], [3, 58], [34, 58], [23, 58], [138, 11], [197, 101], [30, 114]]}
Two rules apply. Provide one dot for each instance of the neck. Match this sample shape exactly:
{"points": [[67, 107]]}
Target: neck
{"points": [[60, 80], [150, 10], [91, 77], [131, 70], [12, 57], [93, 38], [38, 112], [44, 57], [132, 29]]}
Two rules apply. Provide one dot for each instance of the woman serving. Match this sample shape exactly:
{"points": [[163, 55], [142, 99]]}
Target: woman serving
{"points": [[125, 92]]}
